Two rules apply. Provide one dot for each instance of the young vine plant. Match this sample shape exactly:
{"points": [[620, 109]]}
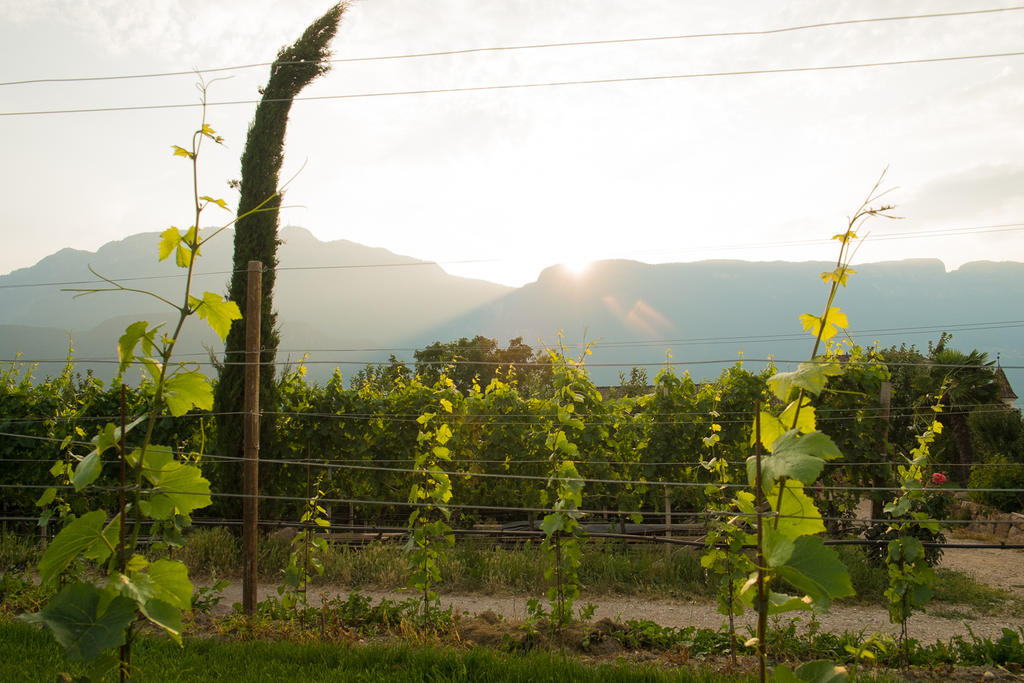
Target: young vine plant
{"points": [[561, 527], [787, 539], [910, 575], [429, 528], [92, 619]]}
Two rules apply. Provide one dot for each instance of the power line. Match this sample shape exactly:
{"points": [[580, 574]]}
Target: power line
{"points": [[524, 86], [535, 46]]}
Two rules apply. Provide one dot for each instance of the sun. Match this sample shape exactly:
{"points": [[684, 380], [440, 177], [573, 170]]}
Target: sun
{"points": [[577, 265]]}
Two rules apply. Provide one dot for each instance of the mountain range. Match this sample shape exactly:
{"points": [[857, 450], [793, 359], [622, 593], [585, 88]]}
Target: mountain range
{"points": [[342, 304]]}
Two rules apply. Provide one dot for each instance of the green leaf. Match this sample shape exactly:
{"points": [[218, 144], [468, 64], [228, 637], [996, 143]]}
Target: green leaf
{"points": [[822, 671], [111, 533], [187, 389], [219, 202], [170, 583], [135, 334], [48, 497], [816, 570], [188, 247], [157, 506], [81, 624], [841, 274], [777, 548], [771, 428], [87, 471], [182, 152], [798, 515], [182, 486], [819, 671], [804, 420], [80, 536], [795, 456], [552, 522], [216, 311], [444, 434], [781, 602], [810, 377], [833, 321], [165, 616], [169, 241], [814, 444]]}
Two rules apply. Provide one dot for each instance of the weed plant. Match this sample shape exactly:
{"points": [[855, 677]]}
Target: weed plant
{"points": [[17, 553]]}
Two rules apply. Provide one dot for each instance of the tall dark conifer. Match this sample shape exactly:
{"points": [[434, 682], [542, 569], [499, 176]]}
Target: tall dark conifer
{"points": [[256, 235]]}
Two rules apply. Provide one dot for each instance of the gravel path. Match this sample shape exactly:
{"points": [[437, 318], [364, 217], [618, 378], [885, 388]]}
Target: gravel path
{"points": [[998, 568]]}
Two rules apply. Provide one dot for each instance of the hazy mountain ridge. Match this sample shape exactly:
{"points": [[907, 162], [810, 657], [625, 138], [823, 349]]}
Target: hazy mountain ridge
{"points": [[351, 304]]}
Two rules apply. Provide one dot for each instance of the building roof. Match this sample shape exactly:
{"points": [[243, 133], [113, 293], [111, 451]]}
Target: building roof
{"points": [[1005, 390]]}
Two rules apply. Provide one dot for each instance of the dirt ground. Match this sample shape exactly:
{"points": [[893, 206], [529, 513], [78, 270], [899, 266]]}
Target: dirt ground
{"points": [[997, 568]]}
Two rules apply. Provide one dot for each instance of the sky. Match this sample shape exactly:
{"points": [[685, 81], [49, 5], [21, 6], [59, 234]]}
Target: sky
{"points": [[499, 184]]}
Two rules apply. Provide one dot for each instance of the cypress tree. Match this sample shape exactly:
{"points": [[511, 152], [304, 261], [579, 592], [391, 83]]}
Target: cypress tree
{"points": [[256, 239]]}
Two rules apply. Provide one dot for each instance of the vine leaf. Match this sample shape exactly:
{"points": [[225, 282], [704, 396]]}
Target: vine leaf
{"points": [[184, 247], [136, 333], [828, 327], [777, 548], [162, 591], [101, 551], [187, 389], [177, 488], [219, 202], [84, 624], [816, 570], [80, 536], [811, 377], [840, 275], [87, 471], [772, 427], [169, 241], [796, 457], [797, 516], [819, 671], [216, 311]]}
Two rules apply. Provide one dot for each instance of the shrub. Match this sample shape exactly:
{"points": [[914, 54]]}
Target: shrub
{"points": [[999, 473]]}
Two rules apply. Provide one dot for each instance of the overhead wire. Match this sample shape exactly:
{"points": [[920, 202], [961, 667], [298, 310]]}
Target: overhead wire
{"points": [[533, 46], [525, 86], [328, 465]]}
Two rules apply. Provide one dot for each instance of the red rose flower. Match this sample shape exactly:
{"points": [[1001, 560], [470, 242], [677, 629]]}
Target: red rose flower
{"points": [[939, 478]]}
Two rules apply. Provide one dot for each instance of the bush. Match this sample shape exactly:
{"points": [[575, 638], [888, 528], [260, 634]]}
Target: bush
{"points": [[212, 550], [999, 473]]}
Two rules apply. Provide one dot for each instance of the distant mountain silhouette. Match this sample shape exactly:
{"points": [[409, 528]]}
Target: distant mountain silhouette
{"points": [[348, 303], [330, 295]]}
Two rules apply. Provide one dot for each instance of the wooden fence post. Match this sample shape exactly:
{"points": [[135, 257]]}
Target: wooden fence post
{"points": [[668, 513], [250, 507]]}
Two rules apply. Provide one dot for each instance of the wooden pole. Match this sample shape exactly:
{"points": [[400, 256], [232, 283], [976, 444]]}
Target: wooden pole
{"points": [[885, 399], [250, 508], [668, 513]]}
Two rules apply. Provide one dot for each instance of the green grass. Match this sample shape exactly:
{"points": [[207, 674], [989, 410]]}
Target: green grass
{"points": [[953, 587], [27, 654], [18, 553], [472, 565]]}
